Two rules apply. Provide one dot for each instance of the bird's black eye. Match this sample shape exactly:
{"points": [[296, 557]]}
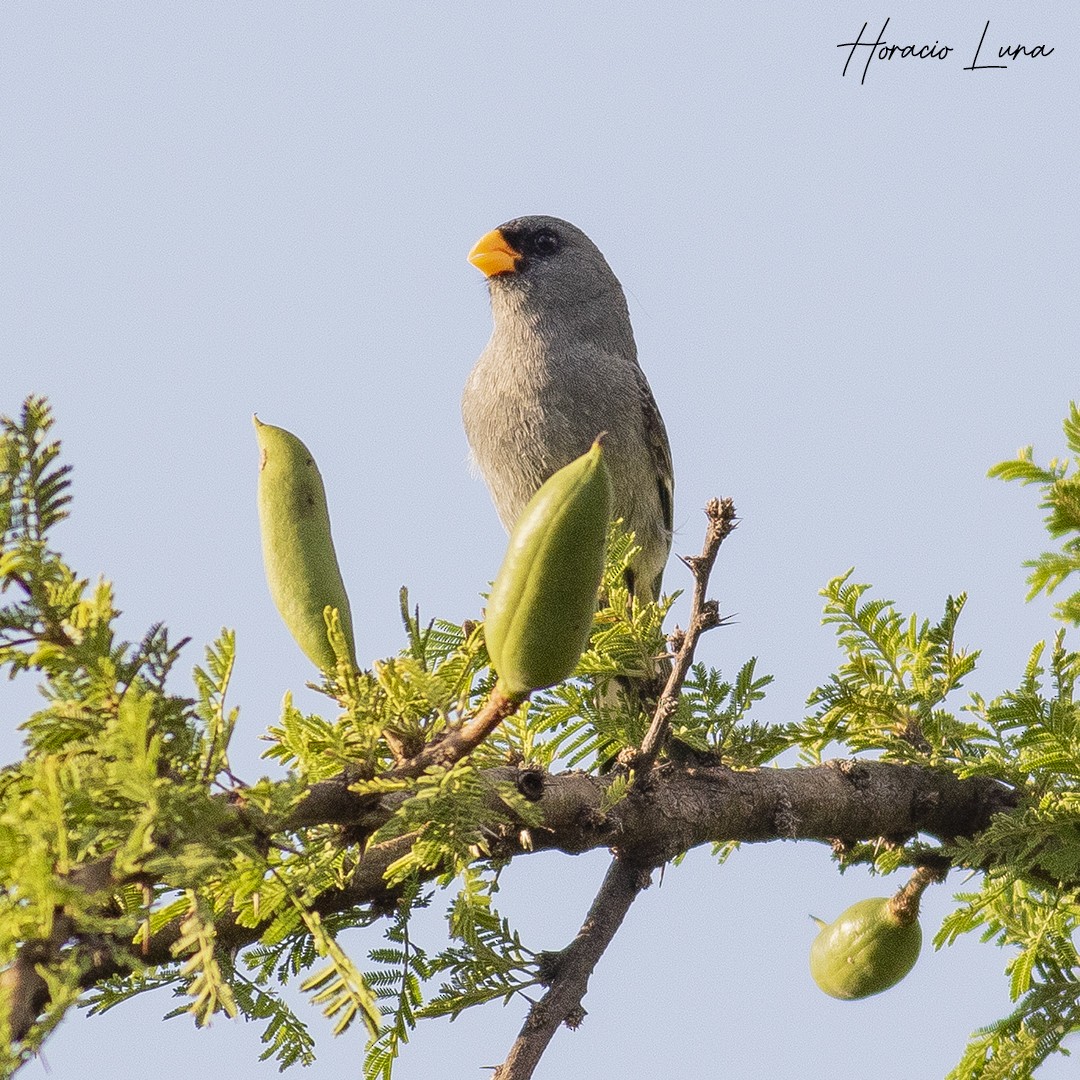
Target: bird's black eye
{"points": [[544, 242]]}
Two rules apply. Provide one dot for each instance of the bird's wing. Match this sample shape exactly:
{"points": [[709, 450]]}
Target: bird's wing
{"points": [[659, 450]]}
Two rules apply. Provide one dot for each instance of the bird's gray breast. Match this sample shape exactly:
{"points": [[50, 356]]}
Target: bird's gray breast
{"points": [[532, 406]]}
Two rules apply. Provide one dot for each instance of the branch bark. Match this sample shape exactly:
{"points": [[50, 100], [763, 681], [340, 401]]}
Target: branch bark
{"points": [[844, 800]]}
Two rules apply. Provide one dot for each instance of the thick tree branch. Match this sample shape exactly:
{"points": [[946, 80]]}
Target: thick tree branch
{"points": [[846, 799], [680, 809]]}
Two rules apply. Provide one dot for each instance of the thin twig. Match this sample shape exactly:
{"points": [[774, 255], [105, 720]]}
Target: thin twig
{"points": [[704, 615], [463, 740], [571, 970]]}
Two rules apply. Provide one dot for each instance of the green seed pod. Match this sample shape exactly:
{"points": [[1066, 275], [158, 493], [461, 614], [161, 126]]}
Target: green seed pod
{"points": [[542, 602], [298, 551], [867, 950]]}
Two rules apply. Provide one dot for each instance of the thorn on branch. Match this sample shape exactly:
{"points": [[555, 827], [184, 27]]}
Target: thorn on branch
{"points": [[575, 1018], [710, 615], [896, 841], [548, 964], [722, 519]]}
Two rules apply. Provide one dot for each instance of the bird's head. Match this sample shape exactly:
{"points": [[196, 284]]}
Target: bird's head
{"points": [[545, 261]]}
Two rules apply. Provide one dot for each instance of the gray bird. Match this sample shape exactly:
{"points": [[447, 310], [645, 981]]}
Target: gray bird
{"points": [[560, 368]]}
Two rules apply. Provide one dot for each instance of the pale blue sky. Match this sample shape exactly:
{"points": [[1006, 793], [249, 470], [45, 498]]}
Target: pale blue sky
{"points": [[850, 300]]}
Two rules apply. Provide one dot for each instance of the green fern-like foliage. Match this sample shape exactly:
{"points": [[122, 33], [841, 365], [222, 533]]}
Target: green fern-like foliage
{"points": [[484, 961], [895, 695], [889, 691], [124, 822], [892, 696], [1060, 483], [712, 717]]}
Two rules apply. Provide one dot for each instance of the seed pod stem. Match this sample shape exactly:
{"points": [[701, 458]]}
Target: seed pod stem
{"points": [[904, 906]]}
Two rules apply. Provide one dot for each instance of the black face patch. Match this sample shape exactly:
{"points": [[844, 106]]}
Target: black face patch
{"points": [[534, 244]]}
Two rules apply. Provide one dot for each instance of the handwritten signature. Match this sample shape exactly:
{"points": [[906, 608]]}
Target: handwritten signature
{"points": [[884, 50]]}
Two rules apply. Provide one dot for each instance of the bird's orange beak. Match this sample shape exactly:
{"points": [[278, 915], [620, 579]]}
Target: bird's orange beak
{"points": [[493, 254]]}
